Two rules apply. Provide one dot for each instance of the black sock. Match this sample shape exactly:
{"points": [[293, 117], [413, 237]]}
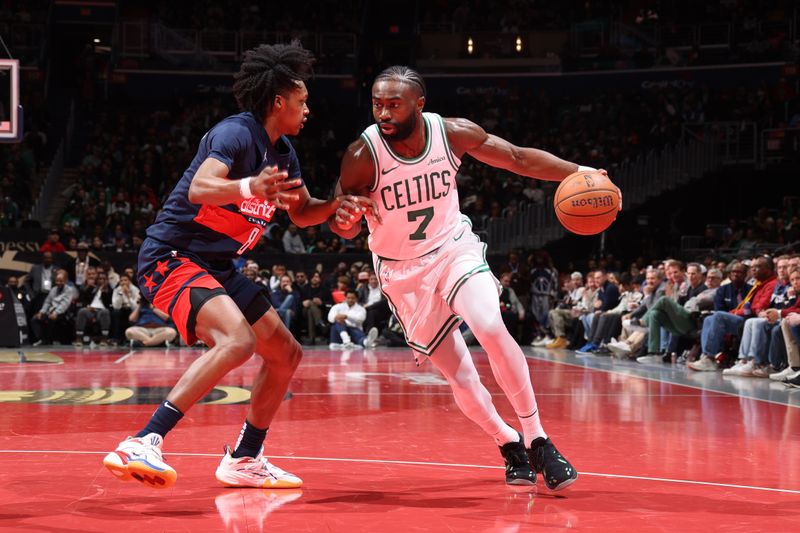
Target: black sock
{"points": [[163, 420], [250, 441]]}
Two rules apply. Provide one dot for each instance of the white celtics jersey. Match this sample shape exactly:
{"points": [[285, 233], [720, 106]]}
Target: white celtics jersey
{"points": [[417, 198]]}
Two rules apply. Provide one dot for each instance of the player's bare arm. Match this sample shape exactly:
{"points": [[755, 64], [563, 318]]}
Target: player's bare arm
{"points": [[467, 137], [308, 211], [356, 177], [211, 186]]}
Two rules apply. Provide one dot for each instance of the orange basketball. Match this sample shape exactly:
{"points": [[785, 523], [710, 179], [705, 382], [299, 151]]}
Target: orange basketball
{"points": [[586, 203]]}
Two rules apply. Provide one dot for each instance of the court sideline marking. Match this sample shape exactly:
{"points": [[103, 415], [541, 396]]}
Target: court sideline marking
{"points": [[423, 463], [633, 374]]}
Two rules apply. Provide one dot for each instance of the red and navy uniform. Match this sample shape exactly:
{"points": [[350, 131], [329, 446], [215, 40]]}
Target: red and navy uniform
{"points": [[193, 245]]}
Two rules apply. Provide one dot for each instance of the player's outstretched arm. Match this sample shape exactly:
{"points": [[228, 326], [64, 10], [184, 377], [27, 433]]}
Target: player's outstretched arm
{"points": [[467, 137], [356, 177], [211, 186]]}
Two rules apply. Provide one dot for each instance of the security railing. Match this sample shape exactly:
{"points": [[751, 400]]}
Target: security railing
{"points": [[646, 176], [736, 142], [41, 206]]}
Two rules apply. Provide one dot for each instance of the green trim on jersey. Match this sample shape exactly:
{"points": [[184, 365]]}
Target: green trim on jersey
{"points": [[374, 154], [450, 155], [423, 155], [389, 300], [463, 279], [437, 339], [445, 330]]}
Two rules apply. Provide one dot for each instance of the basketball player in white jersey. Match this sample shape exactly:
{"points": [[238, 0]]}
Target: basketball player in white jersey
{"points": [[431, 266]]}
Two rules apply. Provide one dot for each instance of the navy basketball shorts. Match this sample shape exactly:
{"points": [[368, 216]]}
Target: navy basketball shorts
{"points": [[166, 278]]}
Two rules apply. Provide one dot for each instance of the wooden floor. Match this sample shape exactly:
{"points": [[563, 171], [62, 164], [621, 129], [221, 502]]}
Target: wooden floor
{"points": [[381, 446]]}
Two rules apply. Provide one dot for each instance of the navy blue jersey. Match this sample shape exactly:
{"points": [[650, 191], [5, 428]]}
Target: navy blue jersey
{"points": [[221, 232]]}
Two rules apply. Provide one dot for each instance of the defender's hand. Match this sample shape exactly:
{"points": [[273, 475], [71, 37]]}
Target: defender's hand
{"points": [[272, 185]]}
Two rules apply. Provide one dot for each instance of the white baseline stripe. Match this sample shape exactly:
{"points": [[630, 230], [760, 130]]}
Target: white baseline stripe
{"points": [[423, 463], [668, 381], [121, 359]]}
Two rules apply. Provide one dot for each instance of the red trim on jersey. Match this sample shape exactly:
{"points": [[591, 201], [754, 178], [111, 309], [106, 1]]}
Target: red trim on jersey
{"points": [[228, 223], [171, 289]]}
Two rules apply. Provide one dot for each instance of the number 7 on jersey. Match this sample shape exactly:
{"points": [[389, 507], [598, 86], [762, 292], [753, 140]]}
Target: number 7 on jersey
{"points": [[427, 216]]}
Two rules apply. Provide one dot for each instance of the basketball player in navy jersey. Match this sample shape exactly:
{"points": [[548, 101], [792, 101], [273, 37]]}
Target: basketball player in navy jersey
{"points": [[245, 169], [432, 267]]}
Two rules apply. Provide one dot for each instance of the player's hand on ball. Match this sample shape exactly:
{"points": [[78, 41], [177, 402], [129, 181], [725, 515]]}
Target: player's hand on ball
{"points": [[604, 172], [272, 184], [352, 208]]}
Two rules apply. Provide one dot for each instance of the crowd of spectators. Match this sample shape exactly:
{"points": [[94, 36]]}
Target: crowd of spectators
{"points": [[740, 316], [134, 157]]}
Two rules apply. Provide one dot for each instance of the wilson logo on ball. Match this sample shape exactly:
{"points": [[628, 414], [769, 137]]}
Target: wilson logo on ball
{"points": [[602, 201]]}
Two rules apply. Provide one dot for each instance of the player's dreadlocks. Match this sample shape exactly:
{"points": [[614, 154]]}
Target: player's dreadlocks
{"points": [[402, 73], [267, 71]]}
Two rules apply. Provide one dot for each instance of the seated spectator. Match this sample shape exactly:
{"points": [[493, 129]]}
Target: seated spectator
{"points": [[582, 311], [40, 281], [314, 297], [374, 302], [721, 323], [111, 274], [94, 306], [633, 334], [53, 243], [346, 320], [756, 335], [77, 267], [278, 271], [778, 345], [342, 286], [564, 315], [152, 327], [608, 324], [607, 299], [123, 301], [673, 314], [292, 242], [283, 300], [20, 291], [52, 319], [511, 309], [790, 327]]}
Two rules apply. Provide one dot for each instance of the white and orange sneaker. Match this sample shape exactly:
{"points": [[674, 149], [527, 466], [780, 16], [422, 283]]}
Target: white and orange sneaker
{"points": [[250, 472], [140, 458]]}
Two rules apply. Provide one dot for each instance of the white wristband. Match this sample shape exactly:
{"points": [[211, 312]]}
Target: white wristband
{"points": [[584, 168], [244, 188]]}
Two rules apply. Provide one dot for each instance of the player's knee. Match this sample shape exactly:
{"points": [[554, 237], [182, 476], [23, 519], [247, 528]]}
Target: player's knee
{"points": [[294, 355], [241, 344]]}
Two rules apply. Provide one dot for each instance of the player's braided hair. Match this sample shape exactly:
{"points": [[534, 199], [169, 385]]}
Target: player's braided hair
{"points": [[267, 71], [403, 73]]}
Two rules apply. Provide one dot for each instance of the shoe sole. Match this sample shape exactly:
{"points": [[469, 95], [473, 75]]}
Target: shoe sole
{"points": [[565, 484], [519, 482], [140, 471], [280, 484]]}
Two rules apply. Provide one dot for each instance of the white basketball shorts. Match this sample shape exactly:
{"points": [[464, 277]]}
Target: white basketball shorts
{"points": [[421, 291]]}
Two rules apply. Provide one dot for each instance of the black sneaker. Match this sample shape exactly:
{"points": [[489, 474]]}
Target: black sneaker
{"points": [[794, 382], [558, 473], [518, 467]]}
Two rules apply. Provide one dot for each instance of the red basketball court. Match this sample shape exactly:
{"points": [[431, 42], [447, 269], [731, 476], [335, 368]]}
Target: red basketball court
{"points": [[381, 446]]}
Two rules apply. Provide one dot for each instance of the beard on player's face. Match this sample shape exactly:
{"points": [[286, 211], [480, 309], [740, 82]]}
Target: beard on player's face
{"points": [[402, 130]]}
